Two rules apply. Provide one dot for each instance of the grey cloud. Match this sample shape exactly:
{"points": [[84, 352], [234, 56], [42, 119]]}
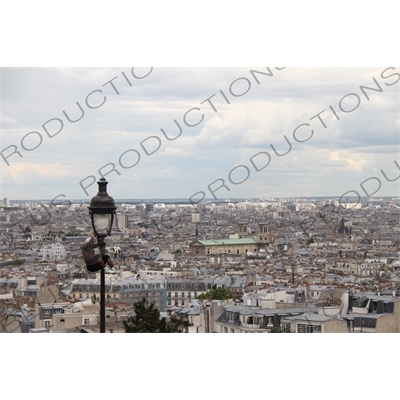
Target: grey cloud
{"points": [[251, 123]]}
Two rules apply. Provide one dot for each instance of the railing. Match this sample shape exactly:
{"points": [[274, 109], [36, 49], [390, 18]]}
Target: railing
{"points": [[251, 326]]}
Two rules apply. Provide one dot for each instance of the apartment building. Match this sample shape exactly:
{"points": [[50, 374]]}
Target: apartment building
{"points": [[181, 291]]}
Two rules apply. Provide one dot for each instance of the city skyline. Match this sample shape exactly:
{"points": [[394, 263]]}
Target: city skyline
{"points": [[217, 133], [335, 160], [182, 200]]}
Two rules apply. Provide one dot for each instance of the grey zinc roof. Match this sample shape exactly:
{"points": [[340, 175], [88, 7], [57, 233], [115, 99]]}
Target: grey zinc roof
{"points": [[238, 281], [362, 315], [242, 309], [311, 317], [189, 310], [37, 330], [383, 298]]}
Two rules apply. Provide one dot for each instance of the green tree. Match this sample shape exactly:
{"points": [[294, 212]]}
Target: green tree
{"points": [[177, 324], [309, 241], [147, 320], [17, 263], [220, 293]]}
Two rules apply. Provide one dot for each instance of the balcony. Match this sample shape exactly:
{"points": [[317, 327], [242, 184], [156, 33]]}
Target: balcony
{"points": [[251, 326]]}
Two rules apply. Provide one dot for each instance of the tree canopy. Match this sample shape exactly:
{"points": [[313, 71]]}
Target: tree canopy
{"points": [[147, 320], [311, 240], [220, 293]]}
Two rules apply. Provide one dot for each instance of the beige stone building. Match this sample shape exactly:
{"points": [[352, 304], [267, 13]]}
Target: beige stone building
{"points": [[62, 316], [314, 323], [371, 313], [232, 246], [240, 245]]}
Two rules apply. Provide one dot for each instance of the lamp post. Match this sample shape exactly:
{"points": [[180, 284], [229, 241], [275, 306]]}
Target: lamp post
{"points": [[102, 210]]}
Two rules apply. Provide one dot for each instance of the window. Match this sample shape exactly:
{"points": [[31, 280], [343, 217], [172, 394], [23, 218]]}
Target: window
{"points": [[231, 316], [62, 320], [386, 307], [303, 328]]}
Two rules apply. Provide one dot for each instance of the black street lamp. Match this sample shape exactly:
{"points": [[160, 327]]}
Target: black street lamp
{"points": [[102, 210]]}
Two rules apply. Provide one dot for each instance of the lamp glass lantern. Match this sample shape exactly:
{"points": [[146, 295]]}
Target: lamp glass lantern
{"points": [[102, 210], [101, 222]]}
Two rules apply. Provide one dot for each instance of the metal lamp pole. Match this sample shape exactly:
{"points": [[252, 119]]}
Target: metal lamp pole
{"points": [[102, 210]]}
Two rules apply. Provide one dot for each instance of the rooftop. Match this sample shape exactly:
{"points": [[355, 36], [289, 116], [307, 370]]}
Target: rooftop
{"points": [[220, 242]]}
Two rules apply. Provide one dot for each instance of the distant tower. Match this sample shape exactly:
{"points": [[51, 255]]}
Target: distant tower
{"points": [[6, 202], [195, 216], [263, 234], [122, 221], [196, 220], [242, 230]]}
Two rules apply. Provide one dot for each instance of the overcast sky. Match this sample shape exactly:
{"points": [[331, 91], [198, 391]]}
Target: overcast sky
{"points": [[262, 109]]}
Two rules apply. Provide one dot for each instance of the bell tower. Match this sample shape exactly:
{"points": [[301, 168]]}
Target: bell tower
{"points": [[263, 232], [242, 229]]}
